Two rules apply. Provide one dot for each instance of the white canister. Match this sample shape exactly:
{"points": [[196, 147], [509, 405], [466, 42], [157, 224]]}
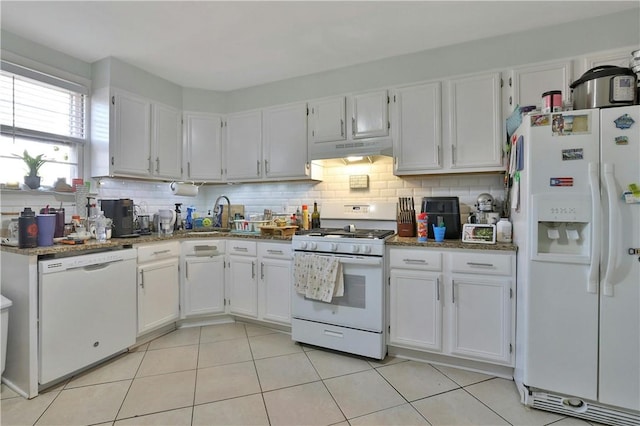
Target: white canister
{"points": [[504, 231]]}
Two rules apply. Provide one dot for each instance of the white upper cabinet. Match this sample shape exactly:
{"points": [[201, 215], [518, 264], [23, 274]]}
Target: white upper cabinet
{"points": [[284, 143], [243, 146], [327, 120], [475, 123], [131, 135], [134, 136], [167, 142], [203, 138], [370, 115], [417, 141], [529, 83]]}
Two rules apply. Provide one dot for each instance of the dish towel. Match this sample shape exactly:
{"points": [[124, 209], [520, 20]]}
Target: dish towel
{"points": [[318, 277]]}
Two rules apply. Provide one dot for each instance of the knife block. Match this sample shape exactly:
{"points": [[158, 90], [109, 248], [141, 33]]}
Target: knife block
{"points": [[406, 229]]}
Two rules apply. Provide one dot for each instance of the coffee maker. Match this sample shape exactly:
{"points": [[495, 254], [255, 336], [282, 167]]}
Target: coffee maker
{"points": [[121, 213]]}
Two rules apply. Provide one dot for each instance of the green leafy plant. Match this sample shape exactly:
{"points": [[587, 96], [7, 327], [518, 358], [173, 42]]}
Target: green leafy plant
{"points": [[33, 163]]}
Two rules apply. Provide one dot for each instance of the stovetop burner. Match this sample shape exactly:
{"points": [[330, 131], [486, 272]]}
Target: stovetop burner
{"points": [[375, 234]]}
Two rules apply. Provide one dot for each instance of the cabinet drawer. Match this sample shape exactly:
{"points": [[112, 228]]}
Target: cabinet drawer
{"points": [[239, 247], [415, 259], [479, 263], [148, 253], [203, 247], [274, 250]]}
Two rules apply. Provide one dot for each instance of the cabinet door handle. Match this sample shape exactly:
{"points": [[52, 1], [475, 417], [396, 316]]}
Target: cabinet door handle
{"points": [[341, 127], [141, 279], [243, 249], [155, 253], [453, 154], [157, 164], [271, 251], [266, 167], [186, 270], [421, 261], [438, 155], [262, 271], [353, 126], [485, 265], [253, 269], [189, 169], [258, 167], [453, 291], [438, 289], [150, 165]]}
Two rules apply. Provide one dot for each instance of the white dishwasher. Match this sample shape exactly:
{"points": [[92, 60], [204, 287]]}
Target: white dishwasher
{"points": [[86, 310]]}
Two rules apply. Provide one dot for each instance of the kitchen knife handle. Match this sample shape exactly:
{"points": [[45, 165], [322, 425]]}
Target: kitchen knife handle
{"points": [[594, 268]]}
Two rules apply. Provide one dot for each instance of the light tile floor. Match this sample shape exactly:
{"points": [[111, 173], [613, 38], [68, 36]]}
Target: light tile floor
{"points": [[241, 374]]}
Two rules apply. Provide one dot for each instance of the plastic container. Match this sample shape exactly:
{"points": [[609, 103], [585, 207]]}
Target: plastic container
{"points": [[504, 230], [46, 229], [101, 227], [552, 101]]}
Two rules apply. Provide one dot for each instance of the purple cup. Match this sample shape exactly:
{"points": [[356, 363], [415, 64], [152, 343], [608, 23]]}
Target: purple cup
{"points": [[46, 229]]}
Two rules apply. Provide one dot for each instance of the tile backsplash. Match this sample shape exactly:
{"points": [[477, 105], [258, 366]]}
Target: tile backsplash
{"points": [[278, 196]]}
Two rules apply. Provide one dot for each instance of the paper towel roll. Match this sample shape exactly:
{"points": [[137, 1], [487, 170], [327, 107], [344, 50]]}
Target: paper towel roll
{"points": [[185, 189]]}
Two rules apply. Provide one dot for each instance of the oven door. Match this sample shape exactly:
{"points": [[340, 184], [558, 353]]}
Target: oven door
{"points": [[361, 307]]}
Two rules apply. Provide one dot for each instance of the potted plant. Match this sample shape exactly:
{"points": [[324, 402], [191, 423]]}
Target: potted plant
{"points": [[33, 163]]}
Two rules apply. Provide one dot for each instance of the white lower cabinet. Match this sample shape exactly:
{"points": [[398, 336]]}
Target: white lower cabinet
{"points": [[242, 281], [274, 290], [456, 303], [203, 278], [158, 285]]}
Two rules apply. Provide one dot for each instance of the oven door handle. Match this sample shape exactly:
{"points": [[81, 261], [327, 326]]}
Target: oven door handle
{"points": [[372, 261]]}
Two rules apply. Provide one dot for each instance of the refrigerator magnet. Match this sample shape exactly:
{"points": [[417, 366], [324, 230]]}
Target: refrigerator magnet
{"points": [[572, 154], [621, 140], [561, 181], [624, 121]]}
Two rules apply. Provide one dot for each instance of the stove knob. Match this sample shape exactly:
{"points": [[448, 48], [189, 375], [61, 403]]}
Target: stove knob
{"points": [[355, 248], [312, 245], [303, 245], [366, 249], [334, 247]]}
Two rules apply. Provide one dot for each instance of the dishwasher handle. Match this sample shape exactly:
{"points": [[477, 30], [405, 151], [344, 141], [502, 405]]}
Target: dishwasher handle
{"points": [[95, 266]]}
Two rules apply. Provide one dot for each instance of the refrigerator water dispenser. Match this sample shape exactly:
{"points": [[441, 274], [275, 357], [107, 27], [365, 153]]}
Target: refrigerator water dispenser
{"points": [[562, 226]]}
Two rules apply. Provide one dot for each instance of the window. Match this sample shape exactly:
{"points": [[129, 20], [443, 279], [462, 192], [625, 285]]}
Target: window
{"points": [[43, 115]]}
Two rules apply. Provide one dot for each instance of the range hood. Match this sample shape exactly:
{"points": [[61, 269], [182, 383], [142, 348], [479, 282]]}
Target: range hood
{"points": [[351, 148]]}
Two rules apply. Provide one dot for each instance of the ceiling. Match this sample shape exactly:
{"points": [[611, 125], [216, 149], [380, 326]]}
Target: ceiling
{"points": [[227, 45]]}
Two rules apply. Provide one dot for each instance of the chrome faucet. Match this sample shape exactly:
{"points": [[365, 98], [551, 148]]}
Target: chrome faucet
{"points": [[216, 211]]}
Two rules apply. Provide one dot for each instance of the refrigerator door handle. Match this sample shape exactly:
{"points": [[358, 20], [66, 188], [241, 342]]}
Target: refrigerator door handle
{"points": [[594, 187], [612, 204]]}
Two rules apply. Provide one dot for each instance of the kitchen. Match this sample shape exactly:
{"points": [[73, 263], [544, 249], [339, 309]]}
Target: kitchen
{"points": [[385, 185]]}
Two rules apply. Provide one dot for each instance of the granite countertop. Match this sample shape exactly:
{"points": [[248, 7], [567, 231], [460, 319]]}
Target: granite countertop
{"points": [[449, 244], [115, 243]]}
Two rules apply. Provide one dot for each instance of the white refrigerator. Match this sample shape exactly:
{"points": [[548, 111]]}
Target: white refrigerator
{"points": [[576, 222]]}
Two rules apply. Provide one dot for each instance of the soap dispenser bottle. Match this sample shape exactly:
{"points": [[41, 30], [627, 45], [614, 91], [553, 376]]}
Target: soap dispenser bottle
{"points": [[189, 223]]}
